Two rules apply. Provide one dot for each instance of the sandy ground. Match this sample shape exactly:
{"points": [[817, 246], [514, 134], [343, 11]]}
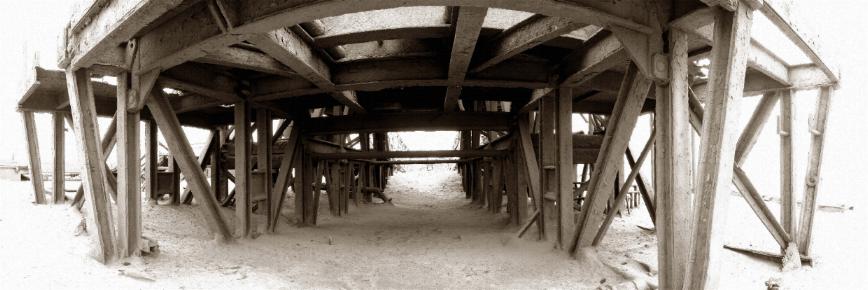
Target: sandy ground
{"points": [[429, 239]]}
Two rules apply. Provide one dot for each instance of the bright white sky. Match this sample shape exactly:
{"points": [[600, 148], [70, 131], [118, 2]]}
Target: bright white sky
{"points": [[32, 27]]}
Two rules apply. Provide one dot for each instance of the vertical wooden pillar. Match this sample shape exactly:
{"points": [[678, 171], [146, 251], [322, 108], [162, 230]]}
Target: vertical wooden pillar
{"points": [[151, 159], [549, 159], [176, 180], [302, 183], [93, 171], [308, 211], [59, 170], [33, 151], [243, 196], [263, 156], [218, 178], [521, 183], [789, 206], [812, 177], [673, 166], [717, 150], [129, 171], [566, 168]]}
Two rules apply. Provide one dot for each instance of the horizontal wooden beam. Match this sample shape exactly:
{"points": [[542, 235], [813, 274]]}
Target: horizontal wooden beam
{"points": [[246, 59], [774, 10], [411, 121], [521, 37], [418, 162], [408, 154]]}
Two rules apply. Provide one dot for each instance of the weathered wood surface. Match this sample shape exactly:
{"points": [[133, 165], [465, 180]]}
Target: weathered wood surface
{"points": [[58, 168], [717, 150], [817, 129], [129, 199], [35, 162]]}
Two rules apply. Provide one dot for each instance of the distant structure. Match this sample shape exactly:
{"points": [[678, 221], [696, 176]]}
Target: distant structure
{"points": [[340, 74]]}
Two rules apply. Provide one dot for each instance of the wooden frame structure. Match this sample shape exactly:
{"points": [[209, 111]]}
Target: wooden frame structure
{"points": [[508, 74]]}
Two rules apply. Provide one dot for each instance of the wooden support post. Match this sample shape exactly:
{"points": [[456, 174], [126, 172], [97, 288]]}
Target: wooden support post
{"points": [[644, 189], [817, 128], [531, 169], [566, 169], [520, 181], [548, 147], [625, 188], [717, 151], [175, 194], [179, 146], [151, 160], [789, 206], [673, 167], [313, 209], [59, 170], [81, 102], [35, 162], [263, 156], [308, 207], [243, 177], [631, 97], [218, 180], [129, 199], [284, 174]]}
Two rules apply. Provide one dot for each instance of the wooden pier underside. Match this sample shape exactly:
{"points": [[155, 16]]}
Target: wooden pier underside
{"points": [[337, 75]]}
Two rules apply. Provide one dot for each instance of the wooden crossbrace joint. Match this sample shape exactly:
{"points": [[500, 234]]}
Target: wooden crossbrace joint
{"points": [[782, 132]]}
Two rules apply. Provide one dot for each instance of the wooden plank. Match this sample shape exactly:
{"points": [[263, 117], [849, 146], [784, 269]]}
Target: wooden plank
{"points": [[467, 28], [93, 167], [129, 200], [789, 204], [243, 168], [58, 170], [566, 167], [35, 162], [415, 121], [523, 36], [263, 155], [618, 131], [405, 154], [673, 164], [717, 152], [180, 148], [621, 198], [812, 177]]}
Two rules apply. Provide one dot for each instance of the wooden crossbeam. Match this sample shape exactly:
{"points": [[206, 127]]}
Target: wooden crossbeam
{"points": [[416, 121], [291, 50], [599, 54], [236, 57], [523, 36], [93, 169], [405, 154], [728, 66], [180, 148], [467, 28], [621, 123]]}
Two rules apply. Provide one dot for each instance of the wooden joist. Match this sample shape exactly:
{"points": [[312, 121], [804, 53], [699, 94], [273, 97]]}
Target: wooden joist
{"points": [[406, 154], [467, 28], [523, 36], [397, 122], [180, 148]]}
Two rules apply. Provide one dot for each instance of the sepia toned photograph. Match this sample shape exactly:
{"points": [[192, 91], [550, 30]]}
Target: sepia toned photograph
{"points": [[434, 144]]}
